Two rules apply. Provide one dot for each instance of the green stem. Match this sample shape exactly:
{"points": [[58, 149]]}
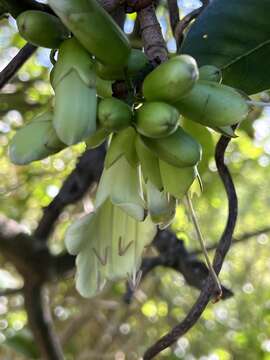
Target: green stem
{"points": [[202, 244]]}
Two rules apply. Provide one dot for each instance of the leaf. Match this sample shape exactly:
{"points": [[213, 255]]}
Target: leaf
{"points": [[235, 36]]}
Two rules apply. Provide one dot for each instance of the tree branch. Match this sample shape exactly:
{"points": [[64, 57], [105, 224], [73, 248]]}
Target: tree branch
{"points": [[39, 317], [153, 42], [240, 239], [61, 266], [222, 249], [173, 254], [10, 292], [33, 260], [16, 63], [110, 5], [87, 171]]}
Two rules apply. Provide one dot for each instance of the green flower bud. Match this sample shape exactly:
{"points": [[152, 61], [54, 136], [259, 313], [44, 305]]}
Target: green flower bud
{"points": [[122, 144], [97, 138], [74, 83], [95, 29], [137, 60], [177, 181], [104, 88], [42, 29], [210, 73], [171, 80], [226, 131], [161, 206], [156, 119], [114, 114], [149, 163], [205, 138], [125, 192], [178, 149], [214, 105], [35, 141]]}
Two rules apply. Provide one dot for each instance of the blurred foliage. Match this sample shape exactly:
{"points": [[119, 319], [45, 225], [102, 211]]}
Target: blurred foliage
{"points": [[104, 327]]}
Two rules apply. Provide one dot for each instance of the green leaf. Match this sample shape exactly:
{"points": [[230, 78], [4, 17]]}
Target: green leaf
{"points": [[235, 36]]}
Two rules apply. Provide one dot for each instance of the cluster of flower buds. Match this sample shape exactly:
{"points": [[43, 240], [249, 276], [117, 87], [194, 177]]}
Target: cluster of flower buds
{"points": [[151, 161]]}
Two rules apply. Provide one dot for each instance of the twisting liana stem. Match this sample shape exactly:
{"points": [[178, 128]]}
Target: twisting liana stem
{"points": [[218, 290], [223, 246]]}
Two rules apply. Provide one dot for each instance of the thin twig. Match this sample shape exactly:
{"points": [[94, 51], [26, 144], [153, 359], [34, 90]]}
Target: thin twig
{"points": [[10, 292], [16, 63], [173, 14], [194, 219], [184, 23], [174, 255], [240, 239], [76, 324], [222, 249]]}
